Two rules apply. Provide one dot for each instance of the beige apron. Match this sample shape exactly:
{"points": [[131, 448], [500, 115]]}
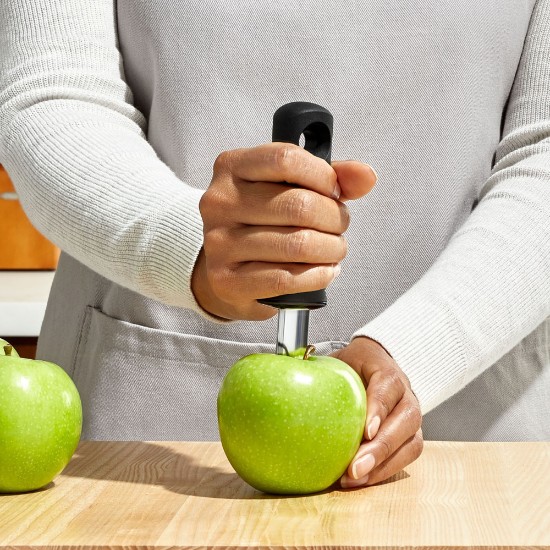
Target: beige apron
{"points": [[418, 90]]}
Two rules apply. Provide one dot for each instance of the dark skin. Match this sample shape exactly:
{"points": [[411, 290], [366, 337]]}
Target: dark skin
{"points": [[393, 433], [264, 238]]}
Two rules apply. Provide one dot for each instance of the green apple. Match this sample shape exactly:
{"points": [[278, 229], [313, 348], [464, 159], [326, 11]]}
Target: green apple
{"points": [[40, 422], [12, 351], [291, 425]]}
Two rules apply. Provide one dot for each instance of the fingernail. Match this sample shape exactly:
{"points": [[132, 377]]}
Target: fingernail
{"points": [[373, 426], [348, 483], [374, 172], [337, 270], [362, 466], [337, 191]]}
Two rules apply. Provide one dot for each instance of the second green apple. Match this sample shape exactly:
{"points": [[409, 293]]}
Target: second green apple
{"points": [[40, 421]]}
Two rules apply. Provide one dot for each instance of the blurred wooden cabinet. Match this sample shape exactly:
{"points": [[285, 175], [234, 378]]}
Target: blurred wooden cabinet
{"points": [[21, 245]]}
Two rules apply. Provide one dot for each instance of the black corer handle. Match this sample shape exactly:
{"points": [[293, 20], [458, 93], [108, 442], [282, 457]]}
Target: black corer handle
{"points": [[314, 122]]}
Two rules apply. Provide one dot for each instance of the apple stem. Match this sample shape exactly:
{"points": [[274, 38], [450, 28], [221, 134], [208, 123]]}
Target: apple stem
{"points": [[7, 349], [309, 350]]}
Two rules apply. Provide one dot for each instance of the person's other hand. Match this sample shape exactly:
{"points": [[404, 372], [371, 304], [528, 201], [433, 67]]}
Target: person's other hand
{"points": [[393, 434], [264, 238]]}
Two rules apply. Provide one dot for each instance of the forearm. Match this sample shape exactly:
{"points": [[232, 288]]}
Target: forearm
{"points": [[490, 286], [76, 150], [487, 291]]}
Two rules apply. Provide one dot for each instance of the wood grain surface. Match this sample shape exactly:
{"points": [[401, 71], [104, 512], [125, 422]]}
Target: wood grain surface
{"points": [[186, 495]]}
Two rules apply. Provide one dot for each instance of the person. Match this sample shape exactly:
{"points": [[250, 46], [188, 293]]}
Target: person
{"points": [[137, 135]]}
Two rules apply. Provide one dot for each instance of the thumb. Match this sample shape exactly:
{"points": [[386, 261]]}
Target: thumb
{"points": [[355, 178]]}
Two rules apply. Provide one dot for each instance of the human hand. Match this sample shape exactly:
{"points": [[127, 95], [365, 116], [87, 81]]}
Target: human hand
{"points": [[264, 238], [393, 434]]}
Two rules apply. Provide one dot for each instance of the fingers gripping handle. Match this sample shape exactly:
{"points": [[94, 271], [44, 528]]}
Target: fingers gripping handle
{"points": [[314, 122]]}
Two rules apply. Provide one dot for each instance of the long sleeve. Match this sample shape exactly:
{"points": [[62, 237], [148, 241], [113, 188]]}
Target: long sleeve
{"points": [[75, 148], [491, 285]]}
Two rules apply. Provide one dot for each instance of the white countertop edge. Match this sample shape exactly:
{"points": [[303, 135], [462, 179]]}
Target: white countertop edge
{"points": [[21, 319], [23, 298]]}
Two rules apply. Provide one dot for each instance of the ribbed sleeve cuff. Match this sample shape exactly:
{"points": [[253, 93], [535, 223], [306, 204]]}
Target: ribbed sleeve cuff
{"points": [[419, 332], [173, 249], [170, 261]]}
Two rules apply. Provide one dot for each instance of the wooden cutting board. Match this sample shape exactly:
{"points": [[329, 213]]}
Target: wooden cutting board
{"points": [[23, 247], [186, 495]]}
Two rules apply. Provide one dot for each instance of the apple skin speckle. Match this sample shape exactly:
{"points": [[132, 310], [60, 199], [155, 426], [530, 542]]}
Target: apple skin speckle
{"points": [[288, 425]]}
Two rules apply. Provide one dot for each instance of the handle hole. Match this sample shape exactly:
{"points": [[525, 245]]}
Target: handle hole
{"points": [[317, 140]]}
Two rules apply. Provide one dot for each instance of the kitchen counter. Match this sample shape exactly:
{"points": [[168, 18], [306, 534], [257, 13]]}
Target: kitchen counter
{"points": [[186, 495], [23, 297]]}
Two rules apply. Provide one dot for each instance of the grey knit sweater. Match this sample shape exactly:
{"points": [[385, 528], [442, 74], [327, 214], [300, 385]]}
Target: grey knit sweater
{"points": [[111, 116]]}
